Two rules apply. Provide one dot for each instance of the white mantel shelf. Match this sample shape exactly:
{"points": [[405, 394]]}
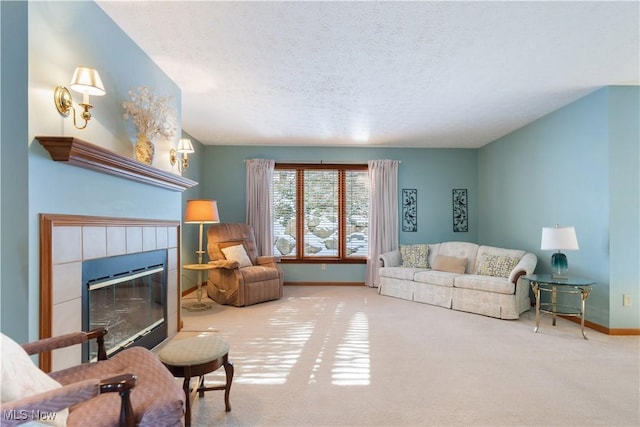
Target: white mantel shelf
{"points": [[77, 152]]}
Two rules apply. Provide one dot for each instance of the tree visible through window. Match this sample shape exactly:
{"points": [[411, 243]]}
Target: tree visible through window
{"points": [[321, 212]]}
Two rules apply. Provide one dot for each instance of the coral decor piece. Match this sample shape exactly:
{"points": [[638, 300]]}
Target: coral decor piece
{"points": [[153, 116]]}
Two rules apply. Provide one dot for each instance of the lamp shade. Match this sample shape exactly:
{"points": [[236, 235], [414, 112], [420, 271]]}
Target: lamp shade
{"points": [[201, 211], [185, 146], [559, 238], [87, 80]]}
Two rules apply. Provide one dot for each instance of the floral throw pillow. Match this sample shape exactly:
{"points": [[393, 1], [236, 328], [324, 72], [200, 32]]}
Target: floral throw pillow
{"points": [[497, 265], [415, 256]]}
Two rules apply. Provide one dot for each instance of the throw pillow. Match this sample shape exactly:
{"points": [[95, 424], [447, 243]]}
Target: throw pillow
{"points": [[22, 378], [415, 256], [450, 264], [497, 265], [237, 253]]}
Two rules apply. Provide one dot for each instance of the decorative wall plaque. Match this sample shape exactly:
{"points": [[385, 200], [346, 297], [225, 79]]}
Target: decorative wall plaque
{"points": [[460, 212], [409, 210]]}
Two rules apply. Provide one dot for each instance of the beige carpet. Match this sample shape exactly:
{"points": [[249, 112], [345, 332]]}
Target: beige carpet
{"points": [[346, 356]]}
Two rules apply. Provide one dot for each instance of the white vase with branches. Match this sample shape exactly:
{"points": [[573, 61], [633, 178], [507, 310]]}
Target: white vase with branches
{"points": [[152, 116]]}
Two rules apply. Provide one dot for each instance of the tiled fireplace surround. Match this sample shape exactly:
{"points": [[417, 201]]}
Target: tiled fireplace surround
{"points": [[67, 241]]}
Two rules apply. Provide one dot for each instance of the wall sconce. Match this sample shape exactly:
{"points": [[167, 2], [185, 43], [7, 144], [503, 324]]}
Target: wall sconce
{"points": [[86, 81], [184, 148]]}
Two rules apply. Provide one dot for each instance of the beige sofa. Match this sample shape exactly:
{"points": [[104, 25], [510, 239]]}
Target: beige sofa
{"points": [[460, 275]]}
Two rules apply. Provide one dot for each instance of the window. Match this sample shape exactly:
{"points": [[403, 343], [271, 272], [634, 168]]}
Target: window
{"points": [[321, 212]]}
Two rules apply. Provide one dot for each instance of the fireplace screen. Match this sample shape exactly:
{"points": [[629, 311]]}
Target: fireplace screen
{"points": [[130, 304]]}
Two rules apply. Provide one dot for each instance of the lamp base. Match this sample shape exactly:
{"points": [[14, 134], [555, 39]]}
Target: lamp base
{"points": [[560, 266], [197, 306]]}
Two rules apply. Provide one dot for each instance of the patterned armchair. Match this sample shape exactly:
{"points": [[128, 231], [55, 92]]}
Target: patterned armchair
{"points": [[131, 388], [241, 277]]}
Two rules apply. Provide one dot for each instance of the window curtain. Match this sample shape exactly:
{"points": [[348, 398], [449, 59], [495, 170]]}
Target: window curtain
{"points": [[259, 202], [383, 214]]}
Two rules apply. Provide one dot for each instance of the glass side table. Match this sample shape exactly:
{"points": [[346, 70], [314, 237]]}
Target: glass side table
{"points": [[571, 285]]}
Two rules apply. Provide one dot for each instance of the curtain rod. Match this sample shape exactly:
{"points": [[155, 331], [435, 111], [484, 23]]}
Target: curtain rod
{"points": [[322, 162]]}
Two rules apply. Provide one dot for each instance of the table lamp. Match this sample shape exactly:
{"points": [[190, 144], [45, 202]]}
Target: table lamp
{"points": [[556, 239], [200, 211]]}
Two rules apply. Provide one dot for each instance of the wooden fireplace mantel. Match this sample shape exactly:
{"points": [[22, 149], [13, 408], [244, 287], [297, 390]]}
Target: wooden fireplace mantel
{"points": [[83, 154]]}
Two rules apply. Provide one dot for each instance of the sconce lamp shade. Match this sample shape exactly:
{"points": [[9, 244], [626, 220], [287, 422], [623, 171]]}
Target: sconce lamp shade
{"points": [[185, 146], [87, 81], [201, 211], [559, 238]]}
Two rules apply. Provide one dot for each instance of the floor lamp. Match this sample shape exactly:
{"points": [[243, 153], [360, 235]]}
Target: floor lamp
{"points": [[201, 212]]}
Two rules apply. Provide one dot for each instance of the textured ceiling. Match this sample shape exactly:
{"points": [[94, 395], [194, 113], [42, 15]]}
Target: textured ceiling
{"points": [[411, 74]]}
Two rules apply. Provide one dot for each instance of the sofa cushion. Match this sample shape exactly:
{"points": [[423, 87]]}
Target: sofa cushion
{"points": [[415, 256], [450, 264], [434, 277], [460, 250], [399, 272], [496, 265], [493, 284], [433, 252]]}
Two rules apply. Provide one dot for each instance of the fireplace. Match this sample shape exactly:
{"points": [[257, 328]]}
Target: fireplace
{"points": [[127, 295], [68, 241]]}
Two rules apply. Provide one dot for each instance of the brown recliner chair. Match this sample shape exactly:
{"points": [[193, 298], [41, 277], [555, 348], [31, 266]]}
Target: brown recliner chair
{"points": [[132, 388], [259, 279]]}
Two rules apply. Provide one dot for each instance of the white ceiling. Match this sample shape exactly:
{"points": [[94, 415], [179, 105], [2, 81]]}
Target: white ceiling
{"points": [[410, 74]]}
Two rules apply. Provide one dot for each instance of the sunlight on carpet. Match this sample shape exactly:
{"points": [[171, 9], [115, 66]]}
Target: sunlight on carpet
{"points": [[270, 360], [329, 356], [352, 355]]}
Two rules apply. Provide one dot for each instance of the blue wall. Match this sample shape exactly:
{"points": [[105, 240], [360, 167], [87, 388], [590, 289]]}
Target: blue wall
{"points": [[576, 166], [433, 172], [624, 204], [53, 38], [14, 289]]}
